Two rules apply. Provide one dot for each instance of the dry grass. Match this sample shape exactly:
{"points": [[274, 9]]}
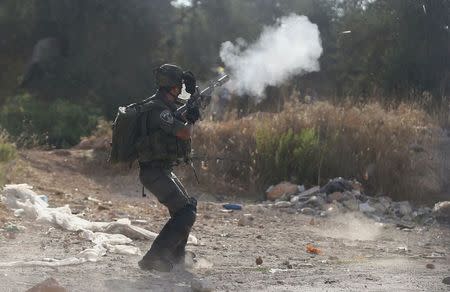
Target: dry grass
{"points": [[8, 152], [387, 149], [384, 148]]}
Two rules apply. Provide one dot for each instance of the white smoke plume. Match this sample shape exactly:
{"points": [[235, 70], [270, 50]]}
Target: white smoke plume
{"points": [[291, 47]]}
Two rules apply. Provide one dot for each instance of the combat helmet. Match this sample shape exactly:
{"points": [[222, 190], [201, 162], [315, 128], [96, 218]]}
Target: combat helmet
{"points": [[169, 75]]}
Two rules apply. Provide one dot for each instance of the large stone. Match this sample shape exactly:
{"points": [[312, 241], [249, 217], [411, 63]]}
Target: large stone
{"points": [[403, 209], [305, 195], [49, 285], [281, 189], [366, 208], [307, 211], [336, 196], [316, 202], [332, 209], [351, 204], [379, 207], [441, 211]]}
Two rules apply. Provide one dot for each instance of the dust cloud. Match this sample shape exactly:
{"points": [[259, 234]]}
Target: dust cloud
{"points": [[352, 226], [291, 47]]}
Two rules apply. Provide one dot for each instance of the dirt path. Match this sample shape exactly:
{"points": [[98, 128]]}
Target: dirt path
{"points": [[357, 254]]}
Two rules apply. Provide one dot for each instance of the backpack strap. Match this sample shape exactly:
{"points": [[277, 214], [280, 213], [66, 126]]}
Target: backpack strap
{"points": [[144, 119]]}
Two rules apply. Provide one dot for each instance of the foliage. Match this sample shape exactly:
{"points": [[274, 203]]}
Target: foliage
{"points": [[7, 149], [110, 48], [287, 156], [59, 123], [311, 143]]}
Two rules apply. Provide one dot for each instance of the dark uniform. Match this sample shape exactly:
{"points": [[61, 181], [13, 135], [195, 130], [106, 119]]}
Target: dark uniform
{"points": [[159, 150]]}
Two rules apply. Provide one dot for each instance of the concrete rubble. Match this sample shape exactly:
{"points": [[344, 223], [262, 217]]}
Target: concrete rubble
{"points": [[340, 196], [48, 285]]}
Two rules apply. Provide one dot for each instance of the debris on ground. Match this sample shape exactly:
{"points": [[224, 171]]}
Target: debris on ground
{"points": [[232, 207], [201, 285], [336, 185], [441, 211], [341, 196], [446, 280], [49, 285], [281, 189], [312, 249], [430, 266], [107, 236]]}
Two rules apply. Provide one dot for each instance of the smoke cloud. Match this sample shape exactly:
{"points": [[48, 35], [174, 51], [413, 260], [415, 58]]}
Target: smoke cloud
{"points": [[291, 47]]}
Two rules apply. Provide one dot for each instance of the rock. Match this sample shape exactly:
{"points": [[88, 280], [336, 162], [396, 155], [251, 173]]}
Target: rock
{"points": [[307, 211], [259, 261], [283, 204], [385, 201], [336, 196], [402, 209], [349, 196], [201, 285], [305, 195], [245, 221], [316, 201], [283, 188], [337, 185], [446, 280], [287, 264], [351, 204], [430, 266], [49, 285], [379, 207], [310, 192], [405, 208], [332, 209], [366, 208], [441, 211]]}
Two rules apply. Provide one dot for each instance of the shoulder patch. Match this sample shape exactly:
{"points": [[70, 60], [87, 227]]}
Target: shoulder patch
{"points": [[166, 116]]}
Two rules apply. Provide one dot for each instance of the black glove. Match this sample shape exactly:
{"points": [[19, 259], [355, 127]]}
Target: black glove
{"points": [[192, 114], [189, 81]]}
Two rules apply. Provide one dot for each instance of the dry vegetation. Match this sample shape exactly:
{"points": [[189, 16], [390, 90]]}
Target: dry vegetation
{"points": [[7, 153], [386, 149]]}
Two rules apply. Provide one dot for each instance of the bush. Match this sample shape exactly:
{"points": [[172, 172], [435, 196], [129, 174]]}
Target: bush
{"points": [[311, 143], [7, 149], [59, 123], [7, 152], [287, 156]]}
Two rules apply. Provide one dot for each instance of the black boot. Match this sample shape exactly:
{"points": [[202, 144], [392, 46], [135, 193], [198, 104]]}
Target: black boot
{"points": [[155, 262], [168, 247]]}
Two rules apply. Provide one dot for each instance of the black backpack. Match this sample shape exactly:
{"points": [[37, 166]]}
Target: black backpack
{"points": [[126, 129]]}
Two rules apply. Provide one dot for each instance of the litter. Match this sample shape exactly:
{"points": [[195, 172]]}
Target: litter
{"points": [[311, 249], [107, 236], [232, 207]]}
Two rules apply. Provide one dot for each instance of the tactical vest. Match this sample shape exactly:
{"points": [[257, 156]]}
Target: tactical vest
{"points": [[155, 144]]}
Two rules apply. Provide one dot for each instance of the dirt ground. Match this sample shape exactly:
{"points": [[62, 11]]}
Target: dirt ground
{"points": [[357, 254]]}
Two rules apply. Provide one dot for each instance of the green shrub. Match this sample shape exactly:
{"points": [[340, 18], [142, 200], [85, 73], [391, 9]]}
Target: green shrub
{"points": [[59, 123], [311, 143], [7, 152], [288, 156]]}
